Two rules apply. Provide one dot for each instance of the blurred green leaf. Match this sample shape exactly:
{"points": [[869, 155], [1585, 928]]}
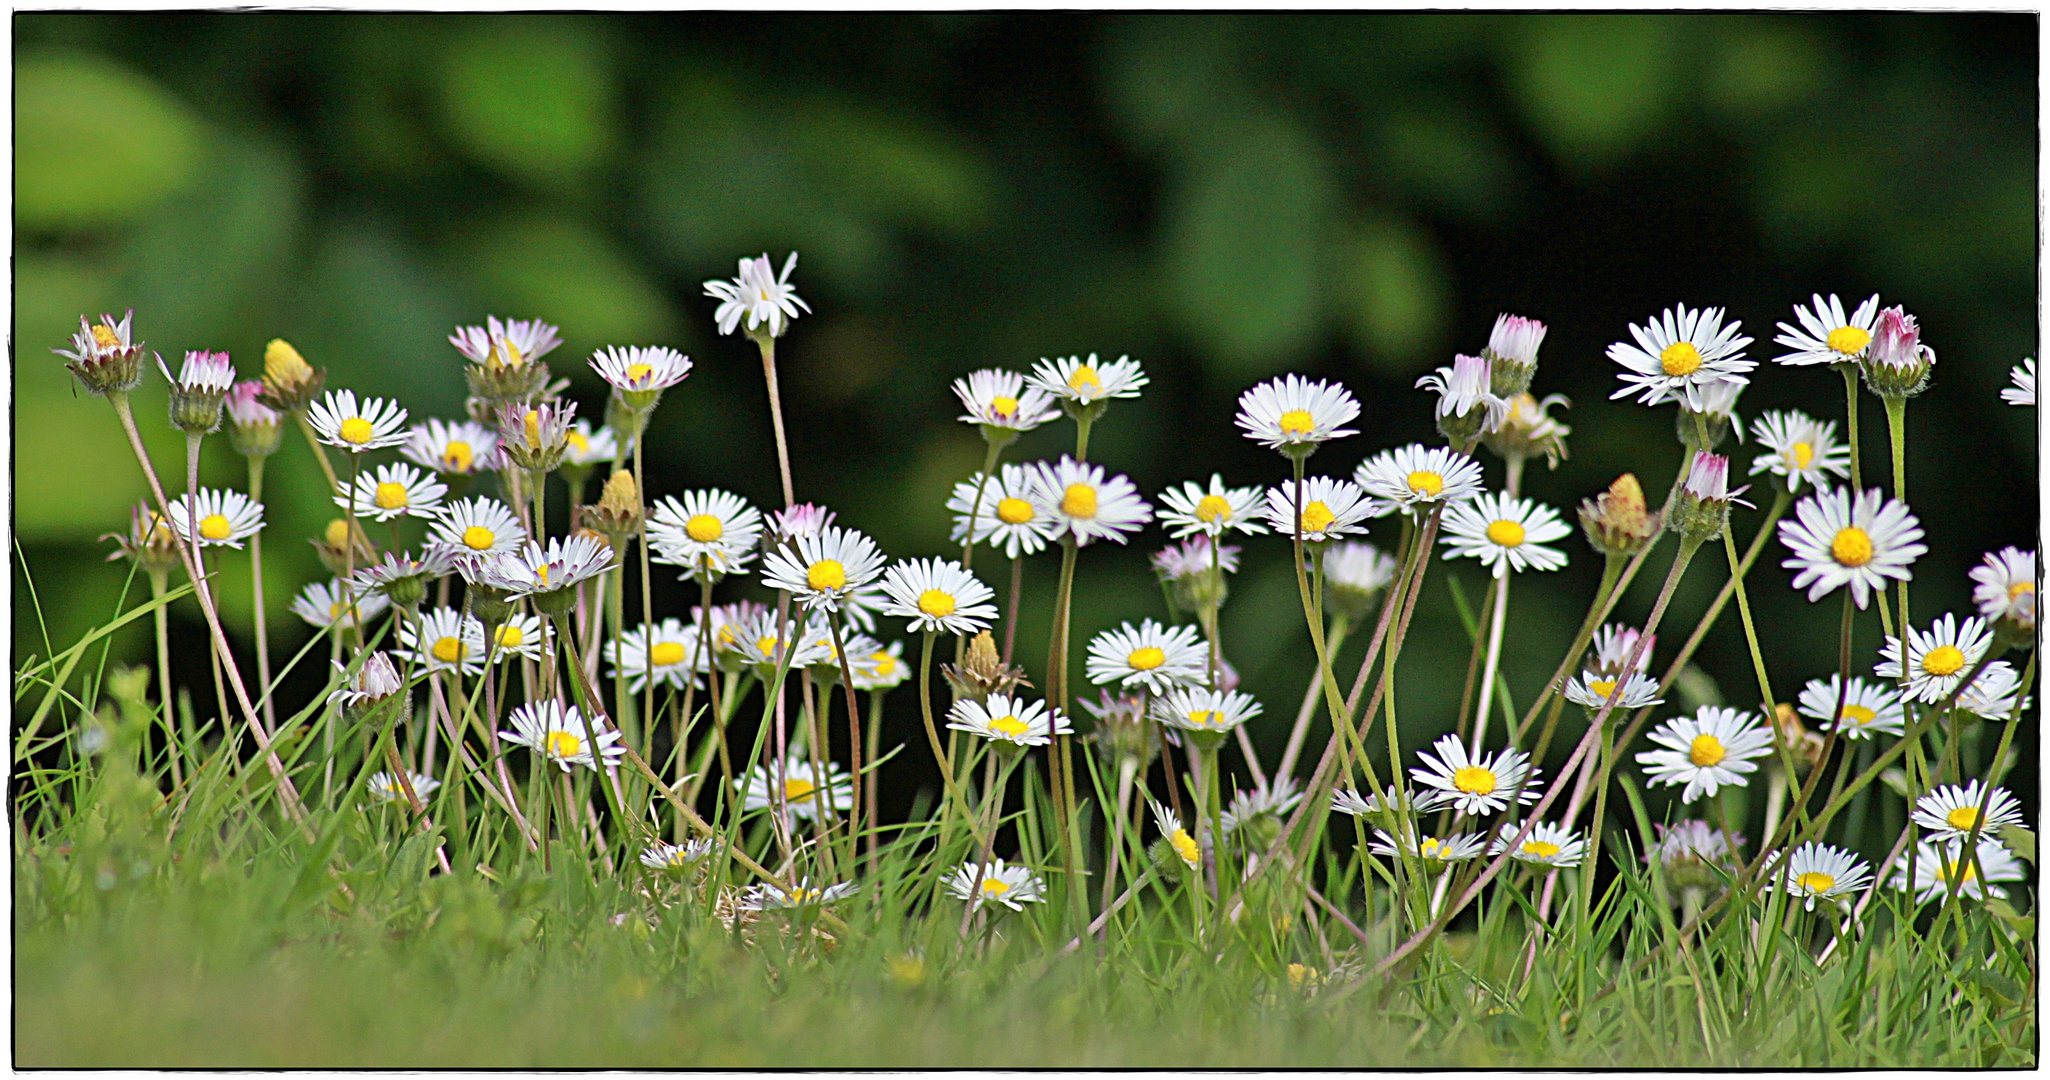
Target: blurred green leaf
{"points": [[572, 275], [221, 248], [1763, 65], [95, 142], [534, 99], [1447, 158], [1594, 85], [1396, 291]]}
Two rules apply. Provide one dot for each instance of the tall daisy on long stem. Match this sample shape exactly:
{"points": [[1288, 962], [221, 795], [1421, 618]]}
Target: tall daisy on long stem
{"points": [[767, 303]]}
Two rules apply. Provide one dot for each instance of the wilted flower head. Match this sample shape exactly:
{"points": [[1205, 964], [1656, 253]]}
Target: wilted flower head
{"points": [[103, 355], [150, 541], [1617, 522], [982, 672], [1467, 405], [1527, 430], [1123, 732], [1354, 573]]}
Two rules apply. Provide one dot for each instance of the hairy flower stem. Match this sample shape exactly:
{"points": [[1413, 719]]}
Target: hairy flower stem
{"points": [[158, 584], [1494, 660], [1849, 370], [647, 593], [1897, 430], [1060, 765], [1955, 875], [768, 346], [853, 730], [270, 705]]}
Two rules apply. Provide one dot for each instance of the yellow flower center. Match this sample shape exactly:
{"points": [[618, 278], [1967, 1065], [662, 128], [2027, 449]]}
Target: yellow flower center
{"points": [[1543, 849], [1799, 455], [1852, 546], [214, 527], [1008, 725], [1079, 501], [1706, 750], [334, 610], [1963, 872], [1817, 882], [1146, 658], [704, 528], [1185, 846], [1943, 660], [457, 457], [1849, 340], [826, 575], [937, 603], [1213, 508], [448, 650], [1859, 714], [581, 444], [357, 431], [1963, 818], [1298, 974], [1426, 483], [390, 496], [562, 744], [1317, 517], [1205, 717], [798, 789], [1013, 511], [479, 538], [1430, 847], [533, 429], [883, 664], [995, 887], [1084, 379], [666, 654], [1680, 358], [510, 636], [1297, 422], [766, 645], [636, 372], [1003, 406], [541, 573], [105, 337], [337, 533], [1474, 780], [1505, 532], [1602, 687], [2020, 587]]}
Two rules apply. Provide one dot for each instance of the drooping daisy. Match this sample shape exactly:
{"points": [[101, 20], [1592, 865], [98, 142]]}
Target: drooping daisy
{"points": [[1415, 476], [1149, 655], [1717, 413], [1505, 533], [1714, 747], [1800, 449], [556, 732], [2004, 587], [876, 666], [1818, 871], [444, 640], [769, 896], [1006, 516], [1465, 397], [1937, 661], [1432, 851], [1952, 811], [1679, 354], [1475, 785], [1332, 509], [1546, 844], [475, 527], [1208, 714], [1827, 335], [820, 571], [938, 595], [1350, 802], [1294, 415], [519, 637], [375, 681], [796, 785], [1938, 863], [384, 786], [1010, 721], [996, 883], [394, 491], [508, 343], [997, 399], [759, 296], [401, 577], [1839, 539], [1192, 509], [1087, 504], [1868, 710], [327, 603], [1086, 382], [585, 446], [637, 369], [668, 653], [709, 531], [341, 422], [464, 448], [225, 518], [1176, 837], [676, 858], [2023, 392], [1992, 695], [1591, 690], [1613, 643]]}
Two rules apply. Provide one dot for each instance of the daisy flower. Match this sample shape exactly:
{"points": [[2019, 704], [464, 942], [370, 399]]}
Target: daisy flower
{"points": [[1938, 863], [1149, 655], [463, 448], [1086, 504], [1012, 722], [326, 603], [394, 491], [995, 883], [375, 681], [1293, 415], [1332, 509], [1714, 747], [769, 896], [937, 595], [402, 578], [1862, 540], [197, 390], [1357, 571], [791, 522], [453, 641], [477, 526], [875, 666], [1086, 382], [2004, 587], [675, 857], [1461, 389], [1416, 476], [1936, 661], [1515, 340], [1612, 646], [1546, 845], [1868, 709], [556, 732], [997, 399], [583, 445], [1826, 334], [1505, 533], [1193, 557], [1177, 838], [1432, 851], [1275, 800], [519, 636], [1716, 411], [1691, 851], [1679, 354], [510, 343], [1992, 695], [1800, 448], [104, 355], [1192, 509], [1951, 811], [802, 788], [1350, 802], [708, 531], [1475, 785], [384, 787], [758, 641], [1591, 689], [563, 564], [341, 422], [226, 518], [1005, 514], [666, 653], [1818, 871], [820, 571], [759, 296], [1207, 713], [2023, 392], [636, 369]]}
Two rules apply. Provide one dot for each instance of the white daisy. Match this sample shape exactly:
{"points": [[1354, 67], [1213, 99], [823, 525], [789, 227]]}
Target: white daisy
{"points": [[1416, 476], [2023, 392], [676, 857], [1086, 382], [1691, 850], [1346, 801], [1358, 568], [1209, 714], [1432, 851], [1936, 661], [1462, 388], [564, 563], [326, 603], [556, 732], [1951, 811], [535, 436], [667, 653], [463, 448], [1992, 695], [1717, 408], [876, 666], [1546, 845], [1149, 655], [1714, 747], [1860, 540], [819, 571], [758, 641], [1193, 557], [1177, 838], [1679, 354], [1827, 335], [384, 787], [1085, 503], [999, 399], [510, 343], [1515, 340], [584, 446], [1937, 863], [477, 526], [802, 790], [520, 636], [394, 491], [1505, 533], [375, 681], [203, 373], [1818, 871], [1475, 785], [758, 295], [1868, 710], [1612, 646], [938, 595], [769, 896], [1192, 509], [636, 369], [1331, 509], [225, 518], [1275, 800], [1005, 514], [2004, 587], [1011, 721], [996, 883], [1800, 448], [1293, 414], [1591, 690], [708, 531], [377, 423], [453, 641], [399, 574]]}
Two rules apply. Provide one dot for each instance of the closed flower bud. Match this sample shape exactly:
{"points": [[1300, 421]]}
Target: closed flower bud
{"points": [[333, 547], [289, 382], [1124, 733], [1897, 364], [1512, 354], [535, 437], [617, 515], [198, 390], [1804, 746], [1617, 522], [1703, 508], [254, 429], [982, 672]]}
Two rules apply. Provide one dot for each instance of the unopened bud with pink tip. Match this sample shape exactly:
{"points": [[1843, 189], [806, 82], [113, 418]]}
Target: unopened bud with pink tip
{"points": [[1512, 353], [1897, 364], [1703, 508]]}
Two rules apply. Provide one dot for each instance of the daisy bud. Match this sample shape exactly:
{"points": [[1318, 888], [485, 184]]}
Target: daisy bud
{"points": [[1193, 583], [197, 391], [505, 358], [489, 604], [1123, 733], [982, 673], [1897, 363], [375, 683], [1690, 851], [289, 383], [617, 516], [333, 547], [104, 356], [1354, 574], [150, 541], [253, 427], [1526, 431], [1703, 508], [1512, 354], [1617, 522]]}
